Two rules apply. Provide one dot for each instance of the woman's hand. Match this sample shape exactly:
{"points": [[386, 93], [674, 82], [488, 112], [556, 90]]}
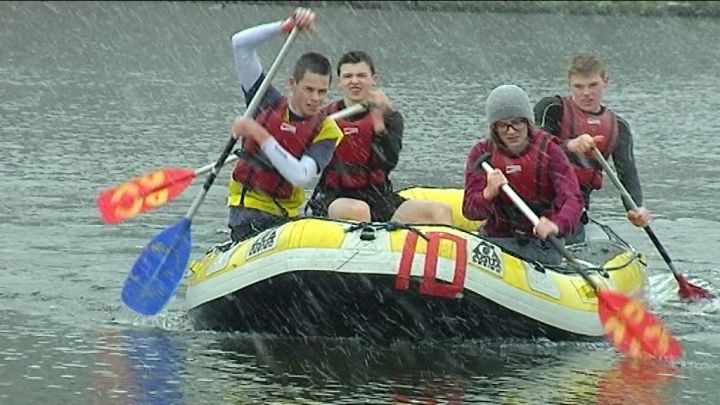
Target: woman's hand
{"points": [[495, 180], [545, 228]]}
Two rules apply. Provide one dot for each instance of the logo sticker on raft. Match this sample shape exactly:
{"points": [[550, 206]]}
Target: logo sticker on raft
{"points": [[486, 256], [263, 242]]}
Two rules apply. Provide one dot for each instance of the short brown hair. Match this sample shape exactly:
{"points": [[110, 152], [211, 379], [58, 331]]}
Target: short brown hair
{"points": [[586, 64], [354, 57], [312, 62]]}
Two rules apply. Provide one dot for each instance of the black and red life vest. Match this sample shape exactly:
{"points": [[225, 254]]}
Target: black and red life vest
{"points": [[353, 165], [528, 174], [254, 170], [576, 122]]}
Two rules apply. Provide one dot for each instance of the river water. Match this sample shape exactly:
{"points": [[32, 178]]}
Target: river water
{"points": [[92, 94]]}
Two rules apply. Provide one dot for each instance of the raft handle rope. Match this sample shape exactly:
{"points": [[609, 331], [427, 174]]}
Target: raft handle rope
{"points": [[369, 227], [610, 233], [602, 270]]}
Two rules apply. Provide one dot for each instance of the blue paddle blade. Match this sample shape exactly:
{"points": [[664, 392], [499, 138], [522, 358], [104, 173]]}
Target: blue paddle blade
{"points": [[158, 270]]}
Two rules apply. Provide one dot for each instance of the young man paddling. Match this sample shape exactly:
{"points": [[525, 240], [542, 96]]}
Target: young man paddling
{"points": [[578, 119], [356, 184], [289, 143]]}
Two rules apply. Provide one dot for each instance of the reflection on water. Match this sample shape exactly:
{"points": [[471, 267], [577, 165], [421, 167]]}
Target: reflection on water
{"points": [[51, 363], [636, 381], [347, 371], [56, 364], [140, 366]]}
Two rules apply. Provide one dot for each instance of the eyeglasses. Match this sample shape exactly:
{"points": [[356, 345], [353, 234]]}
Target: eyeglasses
{"points": [[516, 124]]}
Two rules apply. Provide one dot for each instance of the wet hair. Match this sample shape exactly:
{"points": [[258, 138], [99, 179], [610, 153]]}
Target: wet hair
{"points": [[312, 62], [586, 64], [353, 57]]}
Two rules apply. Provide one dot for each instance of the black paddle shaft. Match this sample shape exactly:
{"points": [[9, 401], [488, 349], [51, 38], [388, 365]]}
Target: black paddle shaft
{"points": [[662, 251], [631, 203], [219, 164]]}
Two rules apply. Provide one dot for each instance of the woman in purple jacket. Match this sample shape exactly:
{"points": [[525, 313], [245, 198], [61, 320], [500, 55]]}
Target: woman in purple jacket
{"points": [[535, 167]]}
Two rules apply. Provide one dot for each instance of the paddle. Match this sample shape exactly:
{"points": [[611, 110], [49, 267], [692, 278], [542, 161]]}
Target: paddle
{"points": [[687, 290], [155, 189], [157, 272], [626, 322]]}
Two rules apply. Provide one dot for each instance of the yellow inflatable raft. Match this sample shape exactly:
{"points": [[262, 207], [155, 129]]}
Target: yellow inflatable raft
{"points": [[320, 277]]}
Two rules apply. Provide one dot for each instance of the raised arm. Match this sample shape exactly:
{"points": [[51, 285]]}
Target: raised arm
{"points": [[244, 43]]}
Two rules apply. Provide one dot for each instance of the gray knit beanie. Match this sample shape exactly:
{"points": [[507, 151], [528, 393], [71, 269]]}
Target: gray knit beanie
{"points": [[508, 101]]}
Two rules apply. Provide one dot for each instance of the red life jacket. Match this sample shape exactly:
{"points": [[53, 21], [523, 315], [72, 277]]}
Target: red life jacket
{"points": [[353, 163], [528, 175], [576, 122], [254, 170]]}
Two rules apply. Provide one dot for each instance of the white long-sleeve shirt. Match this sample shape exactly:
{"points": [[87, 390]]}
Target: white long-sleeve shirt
{"points": [[302, 172]]}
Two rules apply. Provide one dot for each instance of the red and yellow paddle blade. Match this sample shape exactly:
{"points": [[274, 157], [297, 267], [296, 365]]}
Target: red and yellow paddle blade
{"points": [[633, 329], [142, 194], [690, 291]]}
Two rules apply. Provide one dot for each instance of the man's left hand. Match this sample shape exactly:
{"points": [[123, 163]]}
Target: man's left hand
{"points": [[639, 217], [379, 106]]}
